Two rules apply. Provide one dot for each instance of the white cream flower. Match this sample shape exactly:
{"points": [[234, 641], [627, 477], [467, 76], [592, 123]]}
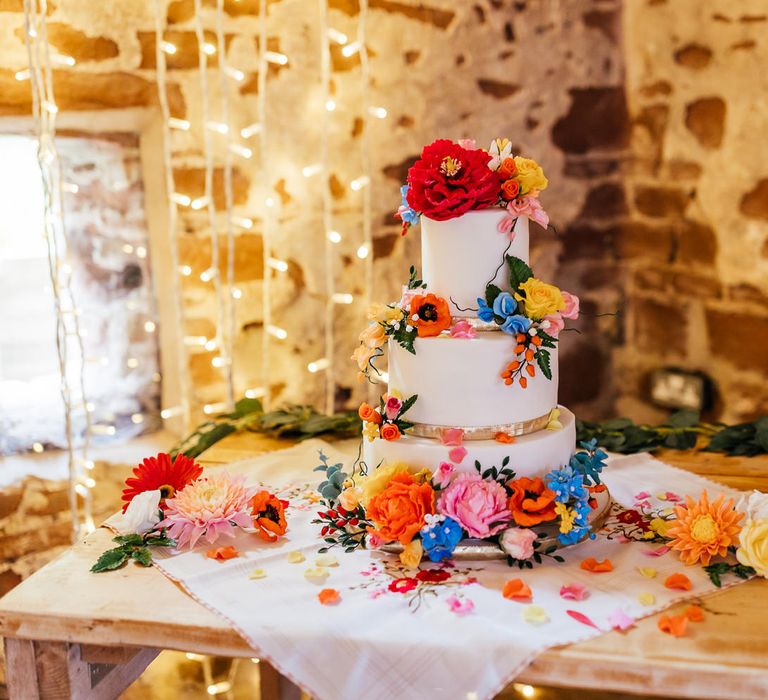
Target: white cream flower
{"points": [[499, 150], [142, 514]]}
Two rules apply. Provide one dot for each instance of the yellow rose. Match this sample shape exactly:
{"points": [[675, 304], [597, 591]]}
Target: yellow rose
{"points": [[350, 497], [373, 336], [378, 479], [362, 355], [530, 175], [753, 546], [541, 299], [411, 555]]}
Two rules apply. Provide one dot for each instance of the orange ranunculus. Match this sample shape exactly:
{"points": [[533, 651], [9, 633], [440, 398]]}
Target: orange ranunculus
{"points": [[508, 168], [531, 501], [369, 414], [398, 511], [389, 431], [432, 312], [510, 189], [268, 515]]}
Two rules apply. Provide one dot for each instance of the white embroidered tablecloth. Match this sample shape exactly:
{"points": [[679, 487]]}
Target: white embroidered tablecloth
{"points": [[413, 642]]}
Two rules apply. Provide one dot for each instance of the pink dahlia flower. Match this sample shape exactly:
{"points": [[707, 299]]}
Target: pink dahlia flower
{"points": [[208, 507], [480, 507]]}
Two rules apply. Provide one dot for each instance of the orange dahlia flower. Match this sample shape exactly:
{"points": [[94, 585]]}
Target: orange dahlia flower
{"points": [[398, 511], [531, 501], [704, 530], [268, 514], [432, 315]]}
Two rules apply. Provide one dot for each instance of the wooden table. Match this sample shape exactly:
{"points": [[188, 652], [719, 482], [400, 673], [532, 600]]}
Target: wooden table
{"points": [[71, 634]]}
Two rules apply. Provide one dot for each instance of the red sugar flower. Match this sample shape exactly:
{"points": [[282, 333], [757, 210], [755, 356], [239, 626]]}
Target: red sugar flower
{"points": [[160, 473], [403, 585]]}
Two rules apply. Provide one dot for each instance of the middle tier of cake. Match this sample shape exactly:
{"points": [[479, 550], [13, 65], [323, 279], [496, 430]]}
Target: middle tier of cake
{"points": [[459, 384]]}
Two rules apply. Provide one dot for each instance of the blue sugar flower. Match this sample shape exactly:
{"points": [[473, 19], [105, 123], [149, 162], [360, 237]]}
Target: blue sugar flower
{"points": [[589, 462], [484, 312], [504, 305], [408, 215], [516, 324], [567, 484], [440, 539]]}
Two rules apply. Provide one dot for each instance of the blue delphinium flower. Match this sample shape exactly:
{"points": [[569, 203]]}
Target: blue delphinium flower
{"points": [[439, 538], [566, 483], [504, 305], [484, 312], [408, 215], [516, 324], [589, 462]]}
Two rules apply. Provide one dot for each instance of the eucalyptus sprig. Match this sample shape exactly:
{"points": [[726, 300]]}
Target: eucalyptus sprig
{"points": [[129, 547]]}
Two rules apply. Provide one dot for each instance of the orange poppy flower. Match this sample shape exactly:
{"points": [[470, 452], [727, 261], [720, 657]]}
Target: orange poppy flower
{"points": [[673, 624], [531, 501], [268, 515], [597, 567], [678, 582], [432, 315], [222, 553], [515, 589], [329, 596]]}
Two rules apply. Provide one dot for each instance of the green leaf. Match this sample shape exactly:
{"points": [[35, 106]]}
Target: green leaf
{"points": [[547, 341], [491, 292], [160, 542], [407, 404], [245, 407], [684, 419], [542, 358], [132, 539], [111, 559], [519, 272], [202, 441], [617, 424], [142, 556]]}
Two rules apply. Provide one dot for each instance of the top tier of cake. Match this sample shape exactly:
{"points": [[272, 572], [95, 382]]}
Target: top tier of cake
{"points": [[459, 256]]}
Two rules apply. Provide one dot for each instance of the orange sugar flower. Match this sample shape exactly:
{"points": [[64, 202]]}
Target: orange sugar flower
{"points": [[432, 315], [389, 431], [704, 530], [222, 553], [678, 582], [516, 589], [268, 515], [597, 567], [329, 596], [673, 624], [510, 189], [504, 438], [398, 511], [531, 501], [368, 413], [508, 168]]}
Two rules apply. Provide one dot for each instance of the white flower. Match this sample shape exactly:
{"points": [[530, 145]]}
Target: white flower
{"points": [[141, 515], [499, 150], [755, 505]]}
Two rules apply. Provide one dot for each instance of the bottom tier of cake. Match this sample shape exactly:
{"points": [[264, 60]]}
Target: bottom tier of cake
{"points": [[529, 455]]}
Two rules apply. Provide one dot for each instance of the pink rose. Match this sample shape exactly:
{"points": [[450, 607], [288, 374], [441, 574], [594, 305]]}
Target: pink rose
{"points": [[442, 477], [530, 207], [553, 324], [457, 454], [407, 295], [518, 542], [374, 541], [571, 306], [452, 436], [392, 407], [480, 507], [463, 329]]}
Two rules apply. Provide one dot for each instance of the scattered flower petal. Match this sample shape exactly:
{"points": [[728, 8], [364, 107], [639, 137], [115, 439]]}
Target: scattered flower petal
{"points": [[647, 571], [673, 624], [452, 436], [296, 557], [329, 596], [574, 591], [324, 560], [460, 606], [646, 599], [457, 454], [642, 496], [504, 438], [596, 567], [694, 613], [222, 553], [535, 615], [516, 589], [658, 552], [619, 620], [661, 496], [672, 497], [582, 618], [678, 582], [316, 573], [257, 573]]}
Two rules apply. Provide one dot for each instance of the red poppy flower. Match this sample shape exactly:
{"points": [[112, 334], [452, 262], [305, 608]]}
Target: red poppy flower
{"points": [[433, 575], [160, 473], [403, 585]]}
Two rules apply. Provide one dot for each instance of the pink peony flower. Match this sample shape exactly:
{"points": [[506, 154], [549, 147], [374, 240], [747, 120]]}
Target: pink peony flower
{"points": [[571, 306], [528, 206], [208, 507], [553, 324], [452, 436], [463, 329], [518, 542], [442, 477], [460, 606], [457, 454], [392, 407], [480, 507]]}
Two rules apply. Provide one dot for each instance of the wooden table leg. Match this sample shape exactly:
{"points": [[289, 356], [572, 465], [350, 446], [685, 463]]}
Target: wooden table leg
{"points": [[275, 686], [59, 670]]}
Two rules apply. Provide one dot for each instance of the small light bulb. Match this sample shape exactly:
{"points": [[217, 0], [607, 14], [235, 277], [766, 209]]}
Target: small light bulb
{"points": [[210, 345], [137, 418], [319, 365], [208, 48], [218, 127], [131, 363], [378, 112], [168, 47], [334, 236], [235, 74], [149, 326], [237, 293], [22, 74], [37, 447], [182, 199], [181, 124], [141, 252], [210, 408], [270, 201], [185, 270], [277, 332], [341, 298], [242, 222], [167, 413], [219, 361], [330, 105], [362, 252], [239, 150], [359, 182], [351, 49], [255, 394], [208, 275], [199, 203], [310, 170], [250, 130], [337, 36], [70, 187], [279, 265], [127, 248], [276, 57], [62, 60]]}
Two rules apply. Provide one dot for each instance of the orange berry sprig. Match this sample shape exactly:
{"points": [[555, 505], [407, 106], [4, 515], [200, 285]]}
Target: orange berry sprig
{"points": [[527, 349]]}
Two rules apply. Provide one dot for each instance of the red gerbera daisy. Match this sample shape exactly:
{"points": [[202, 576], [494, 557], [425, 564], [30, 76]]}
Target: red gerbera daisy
{"points": [[163, 474]]}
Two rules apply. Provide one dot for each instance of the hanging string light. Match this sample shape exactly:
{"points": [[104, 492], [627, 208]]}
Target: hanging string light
{"points": [[175, 200], [68, 331]]}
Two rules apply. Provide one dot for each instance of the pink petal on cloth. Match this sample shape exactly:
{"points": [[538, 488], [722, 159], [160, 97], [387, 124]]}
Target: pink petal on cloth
{"points": [[452, 436], [658, 552], [574, 591], [672, 497], [582, 618], [642, 496], [619, 620], [460, 606], [457, 454]]}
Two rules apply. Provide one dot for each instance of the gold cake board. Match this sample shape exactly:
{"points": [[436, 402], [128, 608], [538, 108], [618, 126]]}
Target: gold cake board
{"points": [[481, 549]]}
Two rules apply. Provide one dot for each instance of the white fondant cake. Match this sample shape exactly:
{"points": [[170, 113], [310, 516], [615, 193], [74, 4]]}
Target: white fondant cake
{"points": [[459, 256], [530, 455], [459, 383]]}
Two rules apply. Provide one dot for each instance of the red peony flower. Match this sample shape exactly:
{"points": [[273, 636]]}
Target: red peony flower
{"points": [[433, 575], [403, 585], [449, 180], [163, 474]]}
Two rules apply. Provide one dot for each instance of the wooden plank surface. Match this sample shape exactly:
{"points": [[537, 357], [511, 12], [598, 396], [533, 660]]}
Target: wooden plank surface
{"points": [[727, 656]]}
